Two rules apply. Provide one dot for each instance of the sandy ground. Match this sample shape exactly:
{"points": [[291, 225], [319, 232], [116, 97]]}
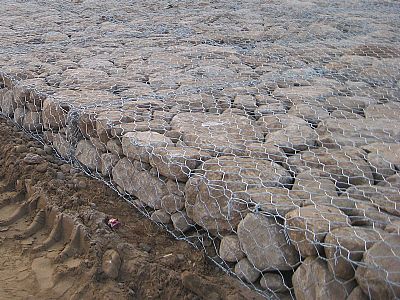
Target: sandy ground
{"points": [[55, 244]]}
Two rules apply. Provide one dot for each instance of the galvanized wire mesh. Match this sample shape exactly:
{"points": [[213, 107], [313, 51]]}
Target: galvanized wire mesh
{"points": [[265, 132]]}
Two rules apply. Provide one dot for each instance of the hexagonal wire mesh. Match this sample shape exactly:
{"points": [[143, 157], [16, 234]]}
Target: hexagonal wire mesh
{"points": [[266, 133]]}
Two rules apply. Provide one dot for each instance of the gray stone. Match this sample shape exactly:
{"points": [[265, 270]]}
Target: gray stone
{"points": [[96, 64], [3, 90], [383, 111], [288, 77], [270, 109], [175, 162], [54, 114], [384, 159], [265, 151], [33, 159], [99, 145], [54, 36], [378, 51], [364, 213], [230, 250], [159, 126], [176, 187], [311, 113], [163, 115], [8, 103], [357, 132], [246, 271], [353, 104], [218, 133], [115, 147], [105, 121], [140, 145], [214, 208], [61, 144], [232, 112], [263, 99], [88, 155], [84, 78], [273, 200], [138, 182], [313, 184], [87, 123], [245, 102], [28, 92], [19, 115], [263, 241], [293, 138], [381, 167], [302, 94], [108, 161], [295, 164], [393, 227], [392, 181], [33, 121], [307, 227], [270, 124], [346, 166], [342, 114], [173, 135]]}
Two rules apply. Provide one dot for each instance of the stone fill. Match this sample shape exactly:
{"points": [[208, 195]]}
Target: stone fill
{"points": [[265, 133]]}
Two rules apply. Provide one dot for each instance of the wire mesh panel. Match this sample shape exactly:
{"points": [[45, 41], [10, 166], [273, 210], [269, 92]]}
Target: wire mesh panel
{"points": [[266, 133]]}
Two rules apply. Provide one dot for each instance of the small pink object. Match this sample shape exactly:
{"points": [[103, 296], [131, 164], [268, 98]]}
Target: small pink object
{"points": [[114, 223]]}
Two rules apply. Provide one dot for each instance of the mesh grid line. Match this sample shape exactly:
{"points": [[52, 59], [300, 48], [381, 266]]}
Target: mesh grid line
{"points": [[265, 133]]}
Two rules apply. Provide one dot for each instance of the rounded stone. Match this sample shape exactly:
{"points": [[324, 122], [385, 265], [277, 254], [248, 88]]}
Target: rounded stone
{"points": [[307, 226], [246, 271], [264, 243], [230, 250], [273, 282], [161, 216], [379, 275]]}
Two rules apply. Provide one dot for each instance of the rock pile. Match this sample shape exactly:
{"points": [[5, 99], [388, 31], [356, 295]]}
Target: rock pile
{"points": [[286, 154]]}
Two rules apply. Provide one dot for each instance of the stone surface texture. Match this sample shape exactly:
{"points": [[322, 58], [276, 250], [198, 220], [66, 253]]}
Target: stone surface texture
{"points": [[266, 133]]}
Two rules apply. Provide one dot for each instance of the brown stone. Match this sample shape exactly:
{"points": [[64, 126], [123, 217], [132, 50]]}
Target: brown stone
{"points": [[138, 182], [230, 250], [209, 197], [176, 163], [378, 275], [264, 243], [219, 133], [293, 138], [108, 161], [307, 227], [345, 246], [346, 166], [88, 155], [313, 280], [140, 145], [54, 114], [384, 198], [246, 271]]}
